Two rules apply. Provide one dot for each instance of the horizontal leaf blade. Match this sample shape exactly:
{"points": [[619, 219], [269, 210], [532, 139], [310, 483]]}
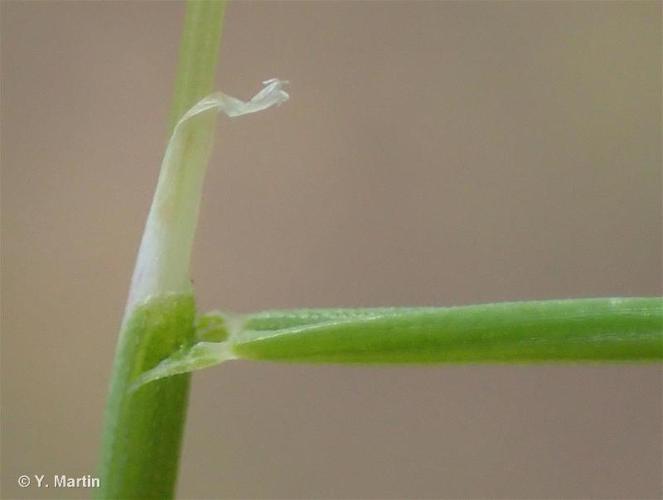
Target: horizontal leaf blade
{"points": [[578, 330]]}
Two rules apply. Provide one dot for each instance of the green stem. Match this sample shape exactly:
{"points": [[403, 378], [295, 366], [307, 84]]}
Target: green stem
{"points": [[199, 49], [143, 428]]}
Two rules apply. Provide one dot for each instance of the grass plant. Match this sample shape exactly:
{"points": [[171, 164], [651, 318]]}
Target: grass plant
{"points": [[163, 338]]}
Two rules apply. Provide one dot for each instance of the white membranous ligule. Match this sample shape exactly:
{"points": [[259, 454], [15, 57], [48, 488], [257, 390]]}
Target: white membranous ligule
{"points": [[162, 266], [164, 256]]}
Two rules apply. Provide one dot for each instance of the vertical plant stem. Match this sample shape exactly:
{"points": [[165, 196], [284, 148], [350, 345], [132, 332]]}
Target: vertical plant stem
{"points": [[143, 429], [199, 51]]}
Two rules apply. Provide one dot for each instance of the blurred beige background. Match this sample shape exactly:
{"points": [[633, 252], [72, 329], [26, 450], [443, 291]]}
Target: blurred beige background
{"points": [[432, 154]]}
